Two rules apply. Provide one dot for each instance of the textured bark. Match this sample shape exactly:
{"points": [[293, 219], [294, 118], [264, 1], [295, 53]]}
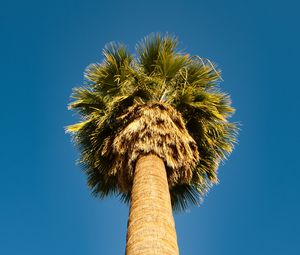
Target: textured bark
{"points": [[151, 227]]}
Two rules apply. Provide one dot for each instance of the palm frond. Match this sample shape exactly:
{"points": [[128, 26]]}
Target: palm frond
{"points": [[87, 102], [107, 77], [149, 49], [158, 56], [183, 195]]}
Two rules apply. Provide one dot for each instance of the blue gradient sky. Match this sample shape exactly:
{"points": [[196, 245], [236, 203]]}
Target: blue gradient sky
{"points": [[46, 207]]}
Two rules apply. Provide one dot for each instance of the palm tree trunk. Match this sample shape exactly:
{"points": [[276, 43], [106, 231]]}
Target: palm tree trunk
{"points": [[151, 227]]}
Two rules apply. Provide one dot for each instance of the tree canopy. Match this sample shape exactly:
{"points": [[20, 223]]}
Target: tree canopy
{"points": [[123, 89]]}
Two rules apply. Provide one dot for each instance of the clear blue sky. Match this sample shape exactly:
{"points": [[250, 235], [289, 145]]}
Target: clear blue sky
{"points": [[46, 207]]}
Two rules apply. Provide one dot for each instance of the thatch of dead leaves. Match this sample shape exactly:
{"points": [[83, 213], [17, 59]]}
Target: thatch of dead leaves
{"points": [[162, 102], [153, 128]]}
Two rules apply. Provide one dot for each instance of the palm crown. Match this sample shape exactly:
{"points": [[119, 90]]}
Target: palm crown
{"points": [[162, 102]]}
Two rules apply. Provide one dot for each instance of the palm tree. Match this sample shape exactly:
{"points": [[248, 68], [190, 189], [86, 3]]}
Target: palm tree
{"points": [[154, 129]]}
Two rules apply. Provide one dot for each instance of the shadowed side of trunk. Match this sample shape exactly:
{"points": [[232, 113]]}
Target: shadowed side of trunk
{"points": [[151, 227]]}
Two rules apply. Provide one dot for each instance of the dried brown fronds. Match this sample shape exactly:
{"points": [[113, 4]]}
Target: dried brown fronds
{"points": [[154, 128]]}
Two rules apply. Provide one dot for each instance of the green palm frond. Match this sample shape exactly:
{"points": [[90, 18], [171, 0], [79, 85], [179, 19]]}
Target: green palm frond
{"points": [[87, 102], [149, 49], [185, 194], [158, 56], [160, 76], [107, 78]]}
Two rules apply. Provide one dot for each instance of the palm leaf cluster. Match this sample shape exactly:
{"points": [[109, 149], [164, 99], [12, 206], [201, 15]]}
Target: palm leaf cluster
{"points": [[161, 101]]}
